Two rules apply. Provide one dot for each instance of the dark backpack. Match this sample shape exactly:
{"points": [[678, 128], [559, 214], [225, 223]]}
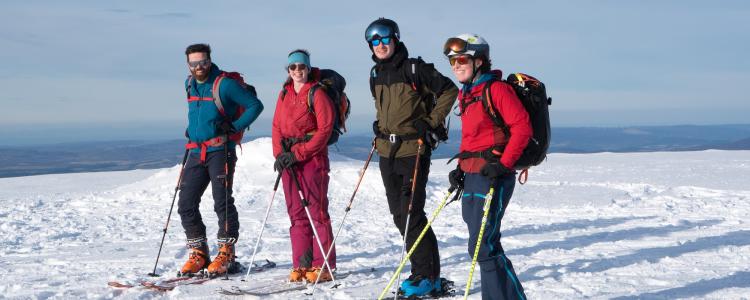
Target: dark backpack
{"points": [[216, 99], [533, 96], [333, 84]]}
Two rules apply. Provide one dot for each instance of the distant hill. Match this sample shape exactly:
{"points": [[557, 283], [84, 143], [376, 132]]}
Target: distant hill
{"points": [[647, 138], [128, 155], [89, 157], [606, 139], [742, 144]]}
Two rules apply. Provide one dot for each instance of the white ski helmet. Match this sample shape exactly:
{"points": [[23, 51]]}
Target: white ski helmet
{"points": [[468, 44]]}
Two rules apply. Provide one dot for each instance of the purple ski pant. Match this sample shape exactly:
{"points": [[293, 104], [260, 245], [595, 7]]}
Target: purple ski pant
{"points": [[313, 177]]}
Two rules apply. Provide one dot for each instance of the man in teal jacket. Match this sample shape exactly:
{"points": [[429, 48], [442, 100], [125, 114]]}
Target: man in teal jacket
{"points": [[212, 127]]}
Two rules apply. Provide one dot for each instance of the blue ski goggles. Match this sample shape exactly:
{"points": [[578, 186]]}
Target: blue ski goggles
{"points": [[376, 42], [378, 31]]}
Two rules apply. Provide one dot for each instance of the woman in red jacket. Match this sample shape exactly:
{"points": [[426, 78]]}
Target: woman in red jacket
{"points": [[487, 157], [301, 129]]}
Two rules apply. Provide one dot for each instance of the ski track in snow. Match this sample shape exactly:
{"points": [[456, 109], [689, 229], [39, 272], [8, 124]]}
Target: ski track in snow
{"points": [[624, 226]]}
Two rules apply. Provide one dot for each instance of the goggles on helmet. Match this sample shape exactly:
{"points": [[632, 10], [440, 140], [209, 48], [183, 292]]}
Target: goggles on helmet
{"points": [[377, 31], [455, 46]]}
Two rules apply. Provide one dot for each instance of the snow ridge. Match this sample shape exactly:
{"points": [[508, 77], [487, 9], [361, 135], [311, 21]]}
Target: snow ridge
{"points": [[624, 226]]}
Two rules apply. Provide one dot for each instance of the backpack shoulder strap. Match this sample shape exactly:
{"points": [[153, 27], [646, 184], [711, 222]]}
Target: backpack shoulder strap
{"points": [[311, 97], [373, 74], [189, 85], [490, 109], [414, 65], [217, 96]]}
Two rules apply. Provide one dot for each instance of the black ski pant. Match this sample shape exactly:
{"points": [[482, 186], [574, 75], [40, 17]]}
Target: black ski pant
{"points": [[499, 280], [397, 177], [195, 180]]}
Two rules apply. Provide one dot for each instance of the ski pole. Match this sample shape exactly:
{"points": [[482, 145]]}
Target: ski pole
{"points": [[312, 224], [179, 181], [346, 211], [416, 243], [263, 226], [226, 193], [408, 212], [487, 202]]}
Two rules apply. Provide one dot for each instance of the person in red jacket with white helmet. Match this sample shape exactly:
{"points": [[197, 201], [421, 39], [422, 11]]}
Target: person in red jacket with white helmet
{"points": [[486, 159], [300, 144]]}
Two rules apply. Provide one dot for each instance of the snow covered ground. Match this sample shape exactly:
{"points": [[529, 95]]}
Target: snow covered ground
{"points": [[639, 225]]}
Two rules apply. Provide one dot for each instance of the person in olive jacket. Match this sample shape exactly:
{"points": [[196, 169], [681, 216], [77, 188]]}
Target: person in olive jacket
{"points": [[412, 100]]}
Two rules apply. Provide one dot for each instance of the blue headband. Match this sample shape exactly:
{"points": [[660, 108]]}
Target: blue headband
{"points": [[298, 58]]}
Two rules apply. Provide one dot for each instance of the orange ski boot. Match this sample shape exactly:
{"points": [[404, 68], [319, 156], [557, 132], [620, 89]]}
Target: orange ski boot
{"points": [[312, 275], [297, 275], [223, 260], [197, 260]]}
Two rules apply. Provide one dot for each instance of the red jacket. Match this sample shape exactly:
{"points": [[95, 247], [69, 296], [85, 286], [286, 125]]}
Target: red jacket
{"points": [[479, 133], [292, 119]]}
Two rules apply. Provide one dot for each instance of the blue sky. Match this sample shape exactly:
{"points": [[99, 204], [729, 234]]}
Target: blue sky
{"points": [[73, 65]]}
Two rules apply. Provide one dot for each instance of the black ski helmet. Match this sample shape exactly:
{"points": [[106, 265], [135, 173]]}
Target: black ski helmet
{"points": [[382, 27]]}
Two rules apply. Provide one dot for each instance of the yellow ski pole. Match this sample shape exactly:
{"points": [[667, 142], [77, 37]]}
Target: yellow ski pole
{"points": [[416, 243], [487, 202]]}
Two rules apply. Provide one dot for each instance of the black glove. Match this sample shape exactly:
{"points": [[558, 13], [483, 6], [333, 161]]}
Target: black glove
{"points": [[226, 128], [494, 170], [423, 128], [285, 160], [456, 178], [375, 128], [186, 134]]}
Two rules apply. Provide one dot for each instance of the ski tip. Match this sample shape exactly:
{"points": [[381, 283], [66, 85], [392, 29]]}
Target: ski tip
{"points": [[116, 284]]}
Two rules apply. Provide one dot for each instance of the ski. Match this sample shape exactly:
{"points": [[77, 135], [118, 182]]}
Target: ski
{"points": [[198, 278], [274, 286], [146, 283], [116, 284], [165, 287], [264, 291]]}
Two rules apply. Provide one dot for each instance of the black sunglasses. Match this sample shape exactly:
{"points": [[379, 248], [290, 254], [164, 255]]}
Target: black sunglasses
{"points": [[204, 63], [294, 67]]}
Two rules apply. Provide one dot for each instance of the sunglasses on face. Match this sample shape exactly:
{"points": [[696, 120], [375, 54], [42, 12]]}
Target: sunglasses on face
{"points": [[377, 42], [460, 59], [294, 67], [203, 63]]}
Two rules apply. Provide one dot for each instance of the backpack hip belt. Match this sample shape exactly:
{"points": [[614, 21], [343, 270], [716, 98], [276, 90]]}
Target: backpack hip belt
{"points": [[488, 155], [396, 141], [287, 143], [219, 140]]}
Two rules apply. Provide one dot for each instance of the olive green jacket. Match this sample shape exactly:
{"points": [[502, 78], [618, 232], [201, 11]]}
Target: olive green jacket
{"points": [[398, 103]]}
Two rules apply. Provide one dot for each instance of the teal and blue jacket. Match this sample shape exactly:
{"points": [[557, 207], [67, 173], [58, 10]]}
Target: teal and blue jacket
{"points": [[204, 117]]}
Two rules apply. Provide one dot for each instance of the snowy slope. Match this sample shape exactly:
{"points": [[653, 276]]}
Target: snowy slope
{"points": [[641, 225]]}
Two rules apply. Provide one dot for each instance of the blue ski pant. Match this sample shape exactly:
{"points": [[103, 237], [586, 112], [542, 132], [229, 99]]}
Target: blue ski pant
{"points": [[499, 280]]}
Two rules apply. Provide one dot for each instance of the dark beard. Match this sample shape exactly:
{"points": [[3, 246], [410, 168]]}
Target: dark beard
{"points": [[200, 78]]}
